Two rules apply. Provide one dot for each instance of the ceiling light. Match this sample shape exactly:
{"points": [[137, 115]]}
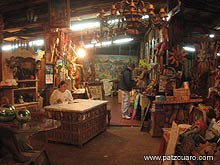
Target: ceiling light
{"points": [[81, 52], [106, 43], [38, 42], [89, 46], [94, 41], [84, 25], [6, 47], [98, 44], [211, 35], [145, 17], [189, 49], [123, 40], [217, 28]]}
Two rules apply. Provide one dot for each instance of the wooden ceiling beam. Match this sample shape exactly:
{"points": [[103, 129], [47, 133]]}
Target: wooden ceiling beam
{"points": [[30, 33], [6, 7]]}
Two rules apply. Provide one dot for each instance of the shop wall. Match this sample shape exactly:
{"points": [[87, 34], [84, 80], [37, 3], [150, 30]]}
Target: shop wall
{"points": [[110, 66]]}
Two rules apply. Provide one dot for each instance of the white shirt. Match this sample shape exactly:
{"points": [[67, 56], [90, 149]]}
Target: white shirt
{"points": [[65, 97]]}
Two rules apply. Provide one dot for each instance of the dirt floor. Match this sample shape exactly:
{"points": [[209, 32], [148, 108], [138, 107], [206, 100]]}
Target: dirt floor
{"points": [[116, 146]]}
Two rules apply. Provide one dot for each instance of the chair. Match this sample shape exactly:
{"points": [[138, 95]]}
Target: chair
{"points": [[95, 91]]}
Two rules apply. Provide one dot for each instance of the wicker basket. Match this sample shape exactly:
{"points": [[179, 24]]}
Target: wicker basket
{"points": [[181, 94], [78, 128]]}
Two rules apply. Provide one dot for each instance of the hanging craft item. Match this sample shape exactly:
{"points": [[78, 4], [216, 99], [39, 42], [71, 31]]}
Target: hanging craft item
{"points": [[177, 56], [59, 13], [204, 54], [203, 51]]}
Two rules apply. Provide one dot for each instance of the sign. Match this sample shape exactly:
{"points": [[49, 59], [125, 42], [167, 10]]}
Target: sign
{"points": [[49, 74]]}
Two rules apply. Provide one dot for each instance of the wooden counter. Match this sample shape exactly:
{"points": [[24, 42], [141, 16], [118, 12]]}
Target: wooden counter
{"points": [[163, 113], [80, 121], [179, 101]]}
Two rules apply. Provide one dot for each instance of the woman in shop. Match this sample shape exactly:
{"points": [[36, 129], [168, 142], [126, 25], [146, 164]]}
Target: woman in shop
{"points": [[61, 94]]}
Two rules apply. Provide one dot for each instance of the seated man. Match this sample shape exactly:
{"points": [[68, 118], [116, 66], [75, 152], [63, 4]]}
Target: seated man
{"points": [[61, 95]]}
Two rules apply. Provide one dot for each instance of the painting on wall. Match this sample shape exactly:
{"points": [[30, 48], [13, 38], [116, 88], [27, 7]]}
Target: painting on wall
{"points": [[111, 66]]}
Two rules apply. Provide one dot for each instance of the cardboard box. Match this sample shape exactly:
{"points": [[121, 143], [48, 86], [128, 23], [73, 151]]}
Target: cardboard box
{"points": [[181, 93]]}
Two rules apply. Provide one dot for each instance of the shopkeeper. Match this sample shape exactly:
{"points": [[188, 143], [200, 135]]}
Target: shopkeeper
{"points": [[61, 95]]}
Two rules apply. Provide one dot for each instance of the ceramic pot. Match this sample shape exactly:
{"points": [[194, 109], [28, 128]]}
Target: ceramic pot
{"points": [[23, 115], [11, 107], [7, 114]]}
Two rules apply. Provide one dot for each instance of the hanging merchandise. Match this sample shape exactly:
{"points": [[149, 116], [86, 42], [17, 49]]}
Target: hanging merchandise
{"points": [[177, 56], [136, 112]]}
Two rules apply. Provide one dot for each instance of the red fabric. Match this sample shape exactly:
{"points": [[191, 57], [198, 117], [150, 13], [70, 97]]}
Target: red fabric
{"points": [[202, 125], [133, 114]]}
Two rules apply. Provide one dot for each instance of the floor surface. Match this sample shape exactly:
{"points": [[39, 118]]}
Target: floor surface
{"points": [[121, 144], [116, 114], [116, 146]]}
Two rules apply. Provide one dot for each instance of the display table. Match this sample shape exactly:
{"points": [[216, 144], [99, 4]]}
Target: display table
{"points": [[178, 101], [80, 121], [17, 135], [163, 113]]}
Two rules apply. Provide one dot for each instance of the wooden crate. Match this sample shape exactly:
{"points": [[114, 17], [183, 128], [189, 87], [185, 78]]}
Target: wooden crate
{"points": [[78, 128], [157, 123], [170, 98], [181, 94]]}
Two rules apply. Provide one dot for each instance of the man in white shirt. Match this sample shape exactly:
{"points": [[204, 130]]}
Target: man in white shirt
{"points": [[61, 95]]}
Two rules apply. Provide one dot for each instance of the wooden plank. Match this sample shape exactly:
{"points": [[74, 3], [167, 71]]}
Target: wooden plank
{"points": [[173, 138], [145, 115], [171, 146]]}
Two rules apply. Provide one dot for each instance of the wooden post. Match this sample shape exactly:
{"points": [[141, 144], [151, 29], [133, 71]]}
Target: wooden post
{"points": [[59, 13], [175, 27], [1, 40]]}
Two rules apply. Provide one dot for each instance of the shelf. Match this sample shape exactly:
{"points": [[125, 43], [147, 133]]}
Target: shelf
{"points": [[25, 88], [30, 80], [8, 87], [26, 104]]}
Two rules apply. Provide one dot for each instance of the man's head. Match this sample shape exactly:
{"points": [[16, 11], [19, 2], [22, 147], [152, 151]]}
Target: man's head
{"points": [[63, 86]]}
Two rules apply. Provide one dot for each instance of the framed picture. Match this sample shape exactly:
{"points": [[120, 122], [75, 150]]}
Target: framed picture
{"points": [[49, 74]]}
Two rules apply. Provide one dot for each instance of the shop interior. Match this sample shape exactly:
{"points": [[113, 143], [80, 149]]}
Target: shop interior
{"points": [[174, 104]]}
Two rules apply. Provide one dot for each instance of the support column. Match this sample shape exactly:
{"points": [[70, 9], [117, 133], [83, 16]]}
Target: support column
{"points": [[1, 41]]}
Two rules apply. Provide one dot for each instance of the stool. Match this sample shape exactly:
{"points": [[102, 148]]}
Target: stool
{"points": [[114, 91]]}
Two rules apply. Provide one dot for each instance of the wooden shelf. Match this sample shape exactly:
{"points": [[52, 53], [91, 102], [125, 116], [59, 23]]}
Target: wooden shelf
{"points": [[25, 88], [8, 87], [30, 80], [26, 103], [32, 106]]}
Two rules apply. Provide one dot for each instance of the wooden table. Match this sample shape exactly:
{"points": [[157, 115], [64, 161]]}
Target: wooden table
{"points": [[163, 113], [21, 143], [80, 121], [178, 101]]}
